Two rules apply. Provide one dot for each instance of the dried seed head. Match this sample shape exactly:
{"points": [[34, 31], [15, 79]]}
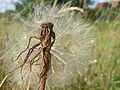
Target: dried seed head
{"points": [[71, 52], [46, 24]]}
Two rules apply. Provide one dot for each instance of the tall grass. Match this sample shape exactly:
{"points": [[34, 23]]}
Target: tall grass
{"points": [[107, 55]]}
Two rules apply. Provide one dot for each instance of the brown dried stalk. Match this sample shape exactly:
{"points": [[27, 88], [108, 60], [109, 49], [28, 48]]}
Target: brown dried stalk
{"points": [[47, 39]]}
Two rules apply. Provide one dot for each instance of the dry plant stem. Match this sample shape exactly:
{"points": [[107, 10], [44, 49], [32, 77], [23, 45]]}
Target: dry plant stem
{"points": [[71, 9], [3, 81], [43, 83], [47, 40]]}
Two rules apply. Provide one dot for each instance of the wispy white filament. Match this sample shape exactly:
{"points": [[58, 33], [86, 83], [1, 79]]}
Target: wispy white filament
{"points": [[3, 80], [70, 54]]}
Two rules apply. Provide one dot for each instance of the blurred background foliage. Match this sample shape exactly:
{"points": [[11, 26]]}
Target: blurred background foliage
{"points": [[104, 73], [107, 12]]}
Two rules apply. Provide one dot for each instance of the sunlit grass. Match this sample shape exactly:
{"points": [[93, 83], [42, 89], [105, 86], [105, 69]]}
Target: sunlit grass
{"points": [[102, 73]]}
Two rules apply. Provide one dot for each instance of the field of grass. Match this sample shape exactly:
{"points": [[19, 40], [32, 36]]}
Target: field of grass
{"points": [[104, 74]]}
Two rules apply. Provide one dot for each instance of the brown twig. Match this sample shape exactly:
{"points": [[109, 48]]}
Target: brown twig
{"points": [[47, 40]]}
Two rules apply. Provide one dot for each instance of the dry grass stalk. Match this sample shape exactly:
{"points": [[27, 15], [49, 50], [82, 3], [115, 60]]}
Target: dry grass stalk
{"points": [[72, 9], [46, 44], [3, 81]]}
